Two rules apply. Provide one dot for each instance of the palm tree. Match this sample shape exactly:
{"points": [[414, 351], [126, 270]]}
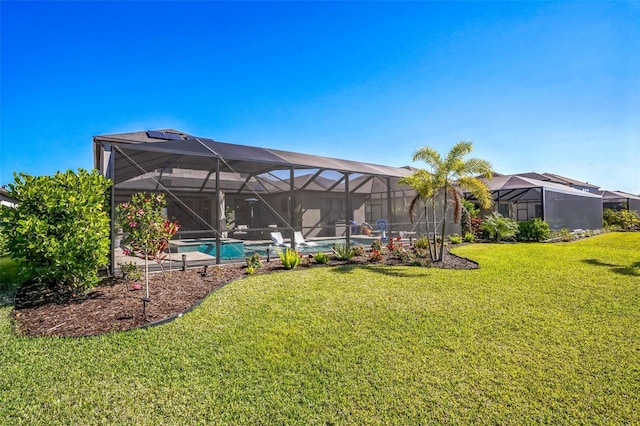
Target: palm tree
{"points": [[445, 180]]}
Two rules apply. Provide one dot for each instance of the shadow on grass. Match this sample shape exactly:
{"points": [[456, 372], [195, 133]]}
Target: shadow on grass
{"points": [[8, 294], [632, 270], [378, 269]]}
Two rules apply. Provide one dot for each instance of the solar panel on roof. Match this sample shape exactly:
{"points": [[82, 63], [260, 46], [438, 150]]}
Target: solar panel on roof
{"points": [[163, 135], [172, 136], [154, 134]]}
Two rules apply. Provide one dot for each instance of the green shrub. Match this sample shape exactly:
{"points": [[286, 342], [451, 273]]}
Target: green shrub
{"points": [[376, 245], [421, 242], [4, 239], [563, 234], [455, 239], [343, 252], [290, 258], [469, 212], [130, 271], [623, 219], [359, 250], [469, 237], [59, 231], [253, 261], [321, 258], [534, 230], [499, 227], [422, 253]]}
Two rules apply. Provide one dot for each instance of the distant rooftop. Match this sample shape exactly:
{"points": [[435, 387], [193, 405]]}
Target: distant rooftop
{"points": [[568, 181]]}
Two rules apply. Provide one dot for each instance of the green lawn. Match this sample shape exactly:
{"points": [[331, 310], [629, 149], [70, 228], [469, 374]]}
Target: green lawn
{"points": [[9, 281], [542, 333]]}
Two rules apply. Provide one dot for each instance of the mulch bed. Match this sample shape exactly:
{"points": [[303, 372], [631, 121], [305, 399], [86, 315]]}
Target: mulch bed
{"points": [[115, 306]]}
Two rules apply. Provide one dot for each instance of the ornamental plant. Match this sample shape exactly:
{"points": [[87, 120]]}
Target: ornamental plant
{"points": [[148, 231], [622, 219], [375, 256], [534, 230], [443, 184], [343, 251], [254, 261], [469, 212], [321, 258], [290, 258], [455, 239], [394, 243], [59, 231], [499, 227]]}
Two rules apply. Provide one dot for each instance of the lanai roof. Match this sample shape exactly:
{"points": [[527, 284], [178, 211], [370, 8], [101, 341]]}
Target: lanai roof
{"points": [[145, 154], [612, 195], [514, 183]]}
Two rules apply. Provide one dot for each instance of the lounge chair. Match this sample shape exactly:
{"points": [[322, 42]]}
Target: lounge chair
{"points": [[277, 239], [300, 241], [241, 231]]}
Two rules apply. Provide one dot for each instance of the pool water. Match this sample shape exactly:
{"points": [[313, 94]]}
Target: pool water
{"points": [[320, 245], [238, 249]]}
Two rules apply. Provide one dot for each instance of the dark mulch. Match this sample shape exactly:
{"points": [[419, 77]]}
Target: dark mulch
{"points": [[115, 305]]}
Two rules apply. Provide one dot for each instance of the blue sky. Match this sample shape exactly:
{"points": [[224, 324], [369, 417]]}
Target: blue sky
{"points": [[543, 86]]}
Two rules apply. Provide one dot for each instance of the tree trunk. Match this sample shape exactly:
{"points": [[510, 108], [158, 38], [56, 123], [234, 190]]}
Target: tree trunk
{"points": [[146, 271], [426, 227], [444, 225], [435, 229]]}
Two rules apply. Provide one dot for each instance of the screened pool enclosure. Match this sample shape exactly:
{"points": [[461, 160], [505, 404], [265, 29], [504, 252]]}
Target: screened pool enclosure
{"points": [[618, 200], [521, 198], [234, 200], [228, 196]]}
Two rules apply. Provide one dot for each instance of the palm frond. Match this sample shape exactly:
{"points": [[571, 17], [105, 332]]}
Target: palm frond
{"points": [[479, 190], [456, 154], [477, 166], [429, 156], [421, 181]]}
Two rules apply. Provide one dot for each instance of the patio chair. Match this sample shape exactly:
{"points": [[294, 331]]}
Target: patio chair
{"points": [[300, 241], [277, 239]]}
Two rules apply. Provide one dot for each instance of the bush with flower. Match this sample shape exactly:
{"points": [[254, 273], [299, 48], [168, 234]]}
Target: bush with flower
{"points": [[148, 230]]}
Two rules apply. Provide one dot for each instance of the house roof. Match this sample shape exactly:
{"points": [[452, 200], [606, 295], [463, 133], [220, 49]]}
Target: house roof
{"points": [[535, 175], [569, 181], [5, 199], [141, 137]]}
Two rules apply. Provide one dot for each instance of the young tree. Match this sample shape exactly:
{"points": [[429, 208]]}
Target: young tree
{"points": [[148, 231], [445, 181], [59, 230]]}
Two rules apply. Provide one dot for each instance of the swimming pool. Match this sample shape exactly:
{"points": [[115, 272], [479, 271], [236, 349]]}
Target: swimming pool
{"points": [[238, 249], [323, 245], [229, 248]]}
